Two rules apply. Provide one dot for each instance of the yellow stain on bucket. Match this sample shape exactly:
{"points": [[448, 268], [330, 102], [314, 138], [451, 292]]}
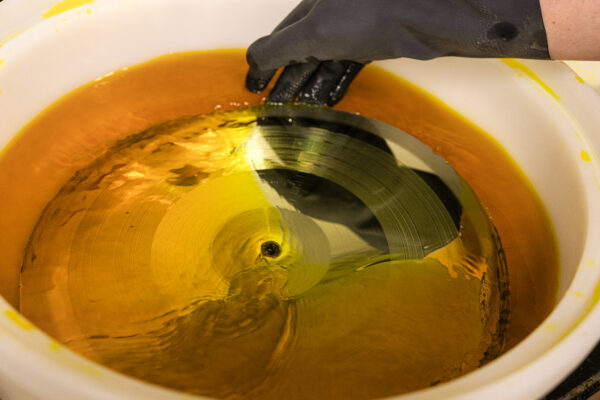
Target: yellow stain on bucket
{"points": [[514, 64], [67, 360], [595, 296], [579, 79], [517, 65], [585, 156], [54, 346], [19, 320], [550, 327], [65, 5], [578, 294]]}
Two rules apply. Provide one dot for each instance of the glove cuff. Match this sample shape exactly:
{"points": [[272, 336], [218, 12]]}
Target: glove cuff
{"points": [[515, 28]]}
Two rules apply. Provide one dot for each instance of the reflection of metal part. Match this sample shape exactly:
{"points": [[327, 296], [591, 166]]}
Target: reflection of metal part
{"points": [[243, 252], [329, 166], [270, 249]]}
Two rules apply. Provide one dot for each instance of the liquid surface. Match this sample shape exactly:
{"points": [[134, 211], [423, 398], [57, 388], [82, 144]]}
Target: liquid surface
{"points": [[265, 261], [78, 129]]}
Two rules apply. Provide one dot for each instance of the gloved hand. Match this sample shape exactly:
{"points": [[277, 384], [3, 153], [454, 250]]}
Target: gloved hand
{"points": [[324, 43]]}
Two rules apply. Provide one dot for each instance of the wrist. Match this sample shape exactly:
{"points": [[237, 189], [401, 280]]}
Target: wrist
{"points": [[572, 29]]}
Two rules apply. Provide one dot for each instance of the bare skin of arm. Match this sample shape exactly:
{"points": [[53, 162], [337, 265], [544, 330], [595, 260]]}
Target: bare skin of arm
{"points": [[573, 28]]}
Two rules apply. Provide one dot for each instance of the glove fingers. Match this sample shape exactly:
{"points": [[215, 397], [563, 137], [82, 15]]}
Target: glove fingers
{"points": [[318, 89], [352, 69], [257, 80], [291, 81]]}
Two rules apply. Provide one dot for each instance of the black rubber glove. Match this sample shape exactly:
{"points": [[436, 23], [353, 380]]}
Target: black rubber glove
{"points": [[324, 43]]}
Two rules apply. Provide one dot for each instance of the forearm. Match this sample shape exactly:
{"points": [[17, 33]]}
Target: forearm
{"points": [[572, 28]]}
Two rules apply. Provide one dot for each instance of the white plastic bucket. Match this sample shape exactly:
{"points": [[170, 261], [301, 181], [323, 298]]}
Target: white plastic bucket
{"points": [[546, 119]]}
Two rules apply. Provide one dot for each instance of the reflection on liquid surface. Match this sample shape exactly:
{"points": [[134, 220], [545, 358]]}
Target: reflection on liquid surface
{"points": [[240, 259]]}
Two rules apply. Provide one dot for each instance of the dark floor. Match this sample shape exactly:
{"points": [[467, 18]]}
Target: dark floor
{"points": [[582, 383]]}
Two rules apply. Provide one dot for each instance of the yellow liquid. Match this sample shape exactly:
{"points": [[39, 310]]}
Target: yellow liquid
{"points": [[350, 334]]}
